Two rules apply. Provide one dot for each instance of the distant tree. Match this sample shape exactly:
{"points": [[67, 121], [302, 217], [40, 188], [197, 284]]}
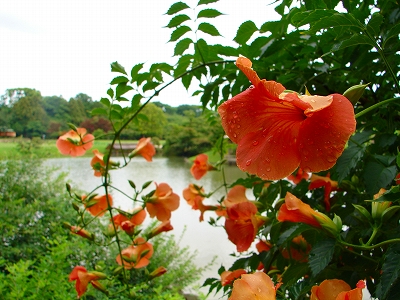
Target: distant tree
{"points": [[96, 123], [152, 124], [56, 108], [77, 109], [28, 115]]}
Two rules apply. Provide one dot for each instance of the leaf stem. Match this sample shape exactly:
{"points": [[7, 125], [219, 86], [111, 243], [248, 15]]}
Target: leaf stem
{"points": [[372, 107]]}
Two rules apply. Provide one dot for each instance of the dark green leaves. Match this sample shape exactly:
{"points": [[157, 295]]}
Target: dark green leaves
{"points": [[116, 67], [390, 272], [177, 7], [206, 2], [177, 33], [177, 20], [182, 46], [208, 13], [245, 32], [320, 255], [209, 29]]}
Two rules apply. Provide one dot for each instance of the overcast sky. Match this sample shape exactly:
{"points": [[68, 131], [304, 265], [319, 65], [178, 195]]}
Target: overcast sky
{"points": [[64, 48]]}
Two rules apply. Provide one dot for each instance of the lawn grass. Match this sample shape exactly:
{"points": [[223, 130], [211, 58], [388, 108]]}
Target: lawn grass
{"points": [[9, 148]]}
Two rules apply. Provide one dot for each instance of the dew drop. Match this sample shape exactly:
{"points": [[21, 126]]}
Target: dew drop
{"points": [[331, 159], [255, 143], [248, 162], [305, 158], [238, 126], [268, 169], [235, 135]]}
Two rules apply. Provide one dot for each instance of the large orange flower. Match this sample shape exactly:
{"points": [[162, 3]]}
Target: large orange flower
{"points": [[137, 255], [257, 286], [97, 163], [328, 184], [97, 205], [278, 131], [75, 143], [200, 166], [144, 148], [129, 224], [192, 193], [83, 278], [336, 289], [162, 203], [294, 210]]}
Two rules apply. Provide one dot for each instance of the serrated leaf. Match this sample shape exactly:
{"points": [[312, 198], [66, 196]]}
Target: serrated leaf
{"points": [[136, 100], [177, 33], [177, 20], [208, 13], [119, 79], [378, 176], [342, 21], [116, 67], [201, 2], [209, 29], [182, 46], [177, 7], [390, 271], [308, 17], [320, 255], [374, 25], [99, 111], [151, 85], [183, 64], [121, 90], [291, 233], [354, 40], [135, 70], [105, 102], [245, 31], [269, 26], [110, 93], [186, 80], [393, 32]]}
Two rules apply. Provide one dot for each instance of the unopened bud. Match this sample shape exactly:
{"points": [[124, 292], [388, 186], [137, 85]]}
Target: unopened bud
{"points": [[98, 286], [355, 92], [75, 206], [157, 272], [117, 270], [99, 275]]}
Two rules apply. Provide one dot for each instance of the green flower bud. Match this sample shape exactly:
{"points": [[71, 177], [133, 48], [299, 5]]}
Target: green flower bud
{"points": [[355, 92]]}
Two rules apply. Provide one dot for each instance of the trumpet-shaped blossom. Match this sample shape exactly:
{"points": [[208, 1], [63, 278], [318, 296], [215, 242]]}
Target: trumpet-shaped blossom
{"points": [[277, 131], [137, 255], [328, 184], [75, 143], [336, 289], [294, 210], [227, 277], [144, 148], [83, 278], [242, 224], [256, 286], [97, 163], [163, 227], [200, 166], [98, 205], [128, 224], [162, 203], [193, 193], [157, 272]]}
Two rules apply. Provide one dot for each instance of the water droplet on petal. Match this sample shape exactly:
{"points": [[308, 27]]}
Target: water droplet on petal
{"points": [[255, 143], [305, 158], [331, 159], [235, 135], [248, 162], [268, 169]]}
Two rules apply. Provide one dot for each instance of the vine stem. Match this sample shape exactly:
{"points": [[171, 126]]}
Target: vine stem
{"points": [[372, 107], [365, 247]]}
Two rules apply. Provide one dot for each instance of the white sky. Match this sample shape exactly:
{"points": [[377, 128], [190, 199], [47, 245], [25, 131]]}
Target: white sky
{"points": [[66, 47]]}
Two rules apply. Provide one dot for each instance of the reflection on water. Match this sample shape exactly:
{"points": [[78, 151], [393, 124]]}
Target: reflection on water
{"points": [[207, 240]]}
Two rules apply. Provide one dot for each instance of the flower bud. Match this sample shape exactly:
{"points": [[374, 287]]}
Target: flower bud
{"points": [[98, 286], [355, 92], [99, 275], [157, 272]]}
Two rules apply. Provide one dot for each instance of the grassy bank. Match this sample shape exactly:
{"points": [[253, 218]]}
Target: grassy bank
{"points": [[17, 148]]}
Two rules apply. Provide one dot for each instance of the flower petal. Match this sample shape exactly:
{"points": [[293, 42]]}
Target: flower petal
{"points": [[324, 134]]}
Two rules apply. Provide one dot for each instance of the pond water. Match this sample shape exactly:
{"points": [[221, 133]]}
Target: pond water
{"points": [[208, 241]]}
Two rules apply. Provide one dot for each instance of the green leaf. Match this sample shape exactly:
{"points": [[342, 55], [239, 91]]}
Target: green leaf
{"points": [[183, 63], [393, 32], [390, 272], [310, 17], [354, 40], [245, 32], [136, 100], [202, 49], [201, 2], [377, 176], [208, 13], [151, 85], [341, 21], [291, 233], [209, 29], [177, 20], [374, 25], [182, 46], [348, 161], [177, 7], [320, 255], [116, 67], [105, 102], [186, 80], [99, 111], [121, 90], [269, 26], [119, 79], [177, 33], [110, 93], [398, 159], [135, 70]]}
